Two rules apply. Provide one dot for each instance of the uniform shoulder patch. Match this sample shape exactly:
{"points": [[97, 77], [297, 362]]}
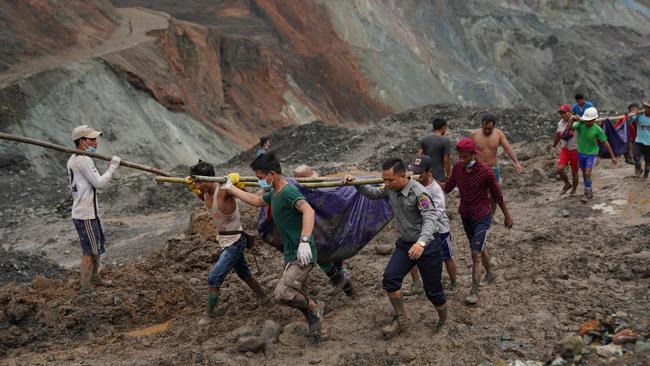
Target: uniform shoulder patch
{"points": [[424, 202]]}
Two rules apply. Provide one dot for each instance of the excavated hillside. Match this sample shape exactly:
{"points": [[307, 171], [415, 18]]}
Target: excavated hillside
{"points": [[411, 53]]}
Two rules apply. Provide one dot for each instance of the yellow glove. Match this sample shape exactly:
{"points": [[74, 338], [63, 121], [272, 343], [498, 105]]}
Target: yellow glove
{"points": [[193, 187], [234, 178]]}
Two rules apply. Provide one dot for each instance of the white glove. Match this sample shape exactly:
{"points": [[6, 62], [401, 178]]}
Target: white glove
{"points": [[115, 161], [304, 254], [226, 186]]}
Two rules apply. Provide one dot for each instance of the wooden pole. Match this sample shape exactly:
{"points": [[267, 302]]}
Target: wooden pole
{"points": [[49, 145], [325, 184]]}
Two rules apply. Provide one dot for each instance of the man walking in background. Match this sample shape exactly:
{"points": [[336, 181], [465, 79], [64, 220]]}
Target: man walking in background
{"points": [[589, 134], [264, 146], [569, 150], [438, 147], [84, 181], [642, 142], [581, 105], [488, 139], [225, 215]]}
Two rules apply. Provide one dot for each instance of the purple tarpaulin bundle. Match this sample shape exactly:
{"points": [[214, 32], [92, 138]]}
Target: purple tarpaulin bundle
{"points": [[345, 221], [617, 136]]}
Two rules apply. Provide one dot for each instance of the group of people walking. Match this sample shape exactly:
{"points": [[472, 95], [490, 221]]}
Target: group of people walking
{"points": [[418, 205]]}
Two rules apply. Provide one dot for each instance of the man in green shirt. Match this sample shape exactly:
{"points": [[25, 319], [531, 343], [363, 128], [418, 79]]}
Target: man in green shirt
{"points": [[294, 219], [589, 134]]}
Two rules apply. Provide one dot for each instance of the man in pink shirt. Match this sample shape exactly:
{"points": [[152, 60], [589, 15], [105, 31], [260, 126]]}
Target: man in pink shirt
{"points": [[474, 181]]}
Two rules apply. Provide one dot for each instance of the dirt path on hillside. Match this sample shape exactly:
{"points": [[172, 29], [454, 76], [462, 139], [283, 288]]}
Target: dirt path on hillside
{"points": [[563, 263], [135, 23]]}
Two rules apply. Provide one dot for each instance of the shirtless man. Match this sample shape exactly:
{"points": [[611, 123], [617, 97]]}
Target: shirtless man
{"points": [[488, 139]]}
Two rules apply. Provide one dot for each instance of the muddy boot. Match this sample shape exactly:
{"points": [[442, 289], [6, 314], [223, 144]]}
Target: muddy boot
{"points": [[472, 298], [95, 279], [338, 283], [315, 321], [416, 289], [399, 323], [452, 289], [565, 189], [489, 278], [442, 318], [260, 294], [210, 311], [349, 290]]}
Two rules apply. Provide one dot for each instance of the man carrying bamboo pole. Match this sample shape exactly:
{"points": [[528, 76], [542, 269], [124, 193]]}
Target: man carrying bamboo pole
{"points": [[84, 181], [232, 240], [418, 244], [294, 218]]}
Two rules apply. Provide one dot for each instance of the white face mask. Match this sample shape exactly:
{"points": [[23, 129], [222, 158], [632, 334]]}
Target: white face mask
{"points": [[470, 164]]}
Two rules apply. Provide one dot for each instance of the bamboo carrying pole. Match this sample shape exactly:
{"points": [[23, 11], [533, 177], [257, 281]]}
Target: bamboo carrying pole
{"points": [[333, 182], [49, 145]]}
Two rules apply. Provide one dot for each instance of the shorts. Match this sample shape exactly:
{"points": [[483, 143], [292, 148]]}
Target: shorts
{"points": [[446, 247], [292, 280], [91, 236], [231, 257], [497, 173], [568, 157], [477, 231], [640, 150], [586, 161]]}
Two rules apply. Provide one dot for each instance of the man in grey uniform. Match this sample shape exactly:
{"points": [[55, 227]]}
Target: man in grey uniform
{"points": [[413, 210]]}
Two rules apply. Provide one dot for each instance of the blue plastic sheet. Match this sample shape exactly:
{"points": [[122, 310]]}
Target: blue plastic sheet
{"points": [[345, 221]]}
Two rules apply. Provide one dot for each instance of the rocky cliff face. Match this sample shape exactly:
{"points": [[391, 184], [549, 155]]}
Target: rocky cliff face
{"points": [[215, 75], [40, 27]]}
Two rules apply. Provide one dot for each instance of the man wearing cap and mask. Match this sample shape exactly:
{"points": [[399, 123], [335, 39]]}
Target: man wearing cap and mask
{"points": [[488, 139], [569, 151], [642, 142], [84, 180], [422, 166], [589, 134], [476, 182]]}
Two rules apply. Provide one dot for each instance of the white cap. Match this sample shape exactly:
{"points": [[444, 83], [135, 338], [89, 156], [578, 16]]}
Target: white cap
{"points": [[590, 114], [85, 131]]}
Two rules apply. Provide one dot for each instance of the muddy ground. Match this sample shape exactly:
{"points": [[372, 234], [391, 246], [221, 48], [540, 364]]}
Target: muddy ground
{"points": [[563, 264]]}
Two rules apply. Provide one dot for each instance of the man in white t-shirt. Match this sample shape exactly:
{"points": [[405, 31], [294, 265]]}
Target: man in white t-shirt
{"points": [[84, 181], [422, 165], [568, 140]]}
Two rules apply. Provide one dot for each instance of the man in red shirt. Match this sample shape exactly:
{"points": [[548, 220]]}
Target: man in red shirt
{"points": [[474, 180]]}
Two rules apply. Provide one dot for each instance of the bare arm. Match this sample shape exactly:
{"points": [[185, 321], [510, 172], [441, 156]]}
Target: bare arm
{"points": [[308, 217], [511, 154], [611, 152], [246, 197], [556, 140], [447, 162]]}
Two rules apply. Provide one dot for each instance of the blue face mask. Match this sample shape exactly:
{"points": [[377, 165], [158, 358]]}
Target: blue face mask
{"points": [[470, 164], [266, 186], [91, 149]]}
